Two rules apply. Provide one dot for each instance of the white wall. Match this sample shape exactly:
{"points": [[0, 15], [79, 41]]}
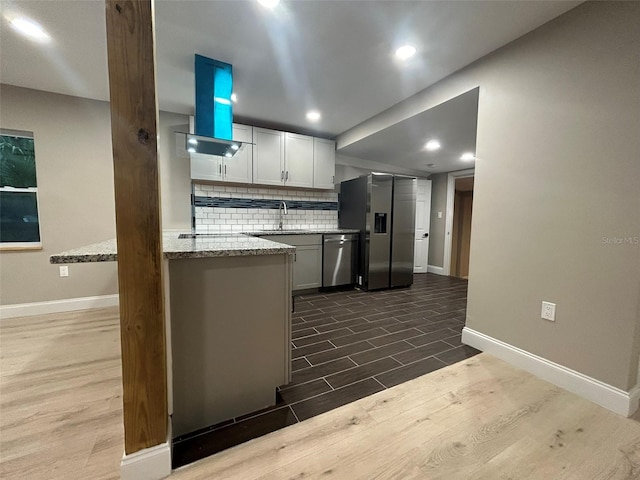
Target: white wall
{"points": [[557, 174]]}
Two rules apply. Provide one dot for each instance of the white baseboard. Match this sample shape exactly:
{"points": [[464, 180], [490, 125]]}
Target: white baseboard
{"points": [[634, 400], [152, 463], [57, 306], [607, 396], [434, 269]]}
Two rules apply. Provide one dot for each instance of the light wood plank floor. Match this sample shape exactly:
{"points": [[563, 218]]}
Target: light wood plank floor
{"points": [[61, 414]]}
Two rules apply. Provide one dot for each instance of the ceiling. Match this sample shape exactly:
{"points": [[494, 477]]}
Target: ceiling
{"points": [[334, 56], [452, 123]]}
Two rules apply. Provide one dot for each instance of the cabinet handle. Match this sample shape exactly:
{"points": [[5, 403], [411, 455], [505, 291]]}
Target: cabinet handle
{"points": [[287, 176], [220, 169], [295, 257], [281, 174], [225, 170]]}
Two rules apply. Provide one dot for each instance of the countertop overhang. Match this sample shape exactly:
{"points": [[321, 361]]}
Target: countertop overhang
{"points": [[202, 246]]}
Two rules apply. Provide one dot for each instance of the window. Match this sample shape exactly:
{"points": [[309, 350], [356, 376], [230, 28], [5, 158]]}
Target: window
{"points": [[19, 225]]}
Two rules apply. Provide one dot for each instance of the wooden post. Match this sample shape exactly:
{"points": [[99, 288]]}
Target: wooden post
{"points": [[134, 112]]}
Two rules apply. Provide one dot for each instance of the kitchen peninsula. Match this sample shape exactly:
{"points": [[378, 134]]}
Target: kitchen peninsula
{"points": [[228, 323]]}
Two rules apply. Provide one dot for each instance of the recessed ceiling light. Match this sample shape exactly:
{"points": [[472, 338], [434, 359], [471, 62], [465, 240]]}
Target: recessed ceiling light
{"points": [[30, 29], [269, 3], [191, 150], [468, 156], [193, 141], [235, 146], [313, 115], [405, 52], [234, 97], [432, 145]]}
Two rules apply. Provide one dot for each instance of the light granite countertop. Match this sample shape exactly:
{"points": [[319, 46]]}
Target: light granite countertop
{"points": [[220, 245], [200, 246]]}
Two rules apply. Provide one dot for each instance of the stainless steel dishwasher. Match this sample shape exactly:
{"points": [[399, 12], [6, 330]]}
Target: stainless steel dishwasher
{"points": [[338, 259]]}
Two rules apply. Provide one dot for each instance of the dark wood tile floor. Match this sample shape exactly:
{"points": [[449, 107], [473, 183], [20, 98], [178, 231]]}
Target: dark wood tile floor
{"points": [[347, 345]]}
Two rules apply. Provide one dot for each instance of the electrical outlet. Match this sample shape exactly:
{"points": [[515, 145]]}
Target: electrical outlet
{"points": [[64, 271], [548, 311]]}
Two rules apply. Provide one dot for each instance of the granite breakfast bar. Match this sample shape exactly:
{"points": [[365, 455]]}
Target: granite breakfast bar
{"points": [[228, 323]]}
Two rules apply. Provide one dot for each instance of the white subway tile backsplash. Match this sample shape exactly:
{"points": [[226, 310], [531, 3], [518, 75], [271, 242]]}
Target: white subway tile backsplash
{"points": [[219, 219]]}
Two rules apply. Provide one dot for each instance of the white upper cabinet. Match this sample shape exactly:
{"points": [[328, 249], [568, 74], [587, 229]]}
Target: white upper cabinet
{"points": [[324, 163], [239, 168], [298, 160], [268, 156], [205, 167]]}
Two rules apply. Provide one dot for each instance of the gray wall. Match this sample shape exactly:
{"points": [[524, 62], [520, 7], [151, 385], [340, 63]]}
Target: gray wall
{"points": [[75, 191], [437, 225], [75, 194], [557, 174]]}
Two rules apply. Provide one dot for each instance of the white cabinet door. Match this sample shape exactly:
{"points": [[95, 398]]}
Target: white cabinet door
{"points": [[307, 261], [268, 156], [324, 163], [307, 267], [298, 160], [205, 167], [423, 216], [239, 168]]}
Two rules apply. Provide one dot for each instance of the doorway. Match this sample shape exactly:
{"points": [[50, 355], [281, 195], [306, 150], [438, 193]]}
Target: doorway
{"points": [[461, 232], [458, 223]]}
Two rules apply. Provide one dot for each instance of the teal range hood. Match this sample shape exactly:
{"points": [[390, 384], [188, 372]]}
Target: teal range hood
{"points": [[214, 110], [213, 126]]}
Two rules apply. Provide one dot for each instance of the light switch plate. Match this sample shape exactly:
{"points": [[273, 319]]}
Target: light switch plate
{"points": [[64, 271]]}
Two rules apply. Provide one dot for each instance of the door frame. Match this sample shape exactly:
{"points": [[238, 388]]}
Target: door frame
{"points": [[448, 229]]}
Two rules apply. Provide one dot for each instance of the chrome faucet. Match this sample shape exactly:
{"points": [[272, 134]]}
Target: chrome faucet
{"points": [[283, 204]]}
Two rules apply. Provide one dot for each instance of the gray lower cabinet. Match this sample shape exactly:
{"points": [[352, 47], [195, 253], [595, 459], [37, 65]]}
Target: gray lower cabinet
{"points": [[230, 331], [307, 267], [307, 264]]}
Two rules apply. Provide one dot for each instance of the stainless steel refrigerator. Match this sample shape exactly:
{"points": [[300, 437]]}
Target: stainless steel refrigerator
{"points": [[382, 207]]}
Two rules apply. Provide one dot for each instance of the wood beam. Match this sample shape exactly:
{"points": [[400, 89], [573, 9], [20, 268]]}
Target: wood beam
{"points": [[134, 113]]}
